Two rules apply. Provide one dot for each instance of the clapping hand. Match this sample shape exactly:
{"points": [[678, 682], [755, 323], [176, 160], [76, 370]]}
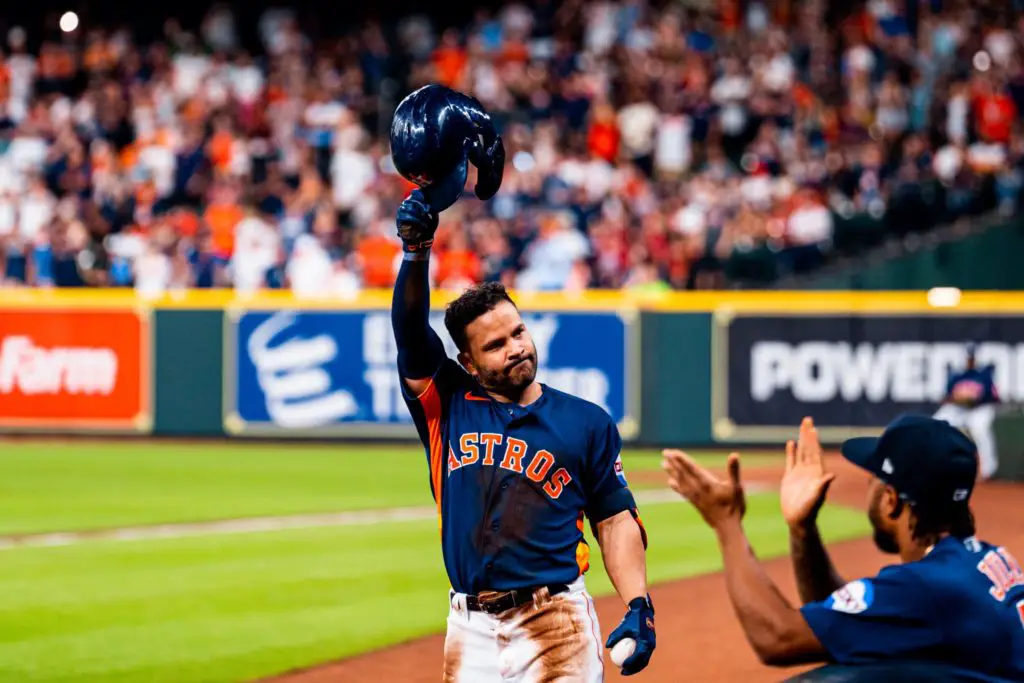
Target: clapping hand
{"points": [[805, 483], [717, 500]]}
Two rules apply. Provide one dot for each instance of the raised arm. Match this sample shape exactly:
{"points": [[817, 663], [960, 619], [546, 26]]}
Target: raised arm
{"points": [[804, 487], [420, 350], [816, 577]]}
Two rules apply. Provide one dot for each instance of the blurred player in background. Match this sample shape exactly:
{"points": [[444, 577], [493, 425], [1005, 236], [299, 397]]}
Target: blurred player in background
{"points": [[970, 403]]}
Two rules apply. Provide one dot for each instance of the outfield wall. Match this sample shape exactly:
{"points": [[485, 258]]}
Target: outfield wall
{"points": [[672, 369]]}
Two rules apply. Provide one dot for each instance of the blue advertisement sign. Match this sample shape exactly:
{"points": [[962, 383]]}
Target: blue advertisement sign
{"points": [[309, 373]]}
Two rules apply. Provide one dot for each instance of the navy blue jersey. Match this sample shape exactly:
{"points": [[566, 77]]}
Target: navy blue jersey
{"points": [[973, 387], [962, 605], [514, 483]]}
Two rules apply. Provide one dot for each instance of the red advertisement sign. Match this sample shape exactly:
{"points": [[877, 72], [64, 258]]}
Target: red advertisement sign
{"points": [[79, 369]]}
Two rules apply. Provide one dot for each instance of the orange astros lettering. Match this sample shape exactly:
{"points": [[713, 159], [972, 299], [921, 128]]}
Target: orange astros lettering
{"points": [[539, 466], [453, 462], [559, 480], [489, 441], [515, 458], [514, 452], [470, 449]]}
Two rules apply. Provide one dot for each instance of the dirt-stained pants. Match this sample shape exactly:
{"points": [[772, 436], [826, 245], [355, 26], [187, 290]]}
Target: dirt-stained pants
{"points": [[556, 639]]}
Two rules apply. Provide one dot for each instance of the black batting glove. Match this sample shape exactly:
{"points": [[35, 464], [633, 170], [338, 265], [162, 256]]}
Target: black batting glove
{"points": [[416, 223]]}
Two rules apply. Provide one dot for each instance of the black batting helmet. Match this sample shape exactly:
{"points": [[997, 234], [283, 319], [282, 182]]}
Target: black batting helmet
{"points": [[435, 132]]}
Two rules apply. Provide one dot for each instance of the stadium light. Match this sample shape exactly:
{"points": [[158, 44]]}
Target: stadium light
{"points": [[944, 297], [68, 22]]}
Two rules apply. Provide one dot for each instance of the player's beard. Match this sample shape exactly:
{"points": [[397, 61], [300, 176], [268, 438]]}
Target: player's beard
{"points": [[884, 539], [510, 381]]}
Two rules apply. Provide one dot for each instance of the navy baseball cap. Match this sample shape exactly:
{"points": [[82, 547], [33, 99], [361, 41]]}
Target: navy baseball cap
{"points": [[926, 460]]}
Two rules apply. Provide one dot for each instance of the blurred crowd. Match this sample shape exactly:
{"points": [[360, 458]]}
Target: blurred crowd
{"points": [[650, 145]]}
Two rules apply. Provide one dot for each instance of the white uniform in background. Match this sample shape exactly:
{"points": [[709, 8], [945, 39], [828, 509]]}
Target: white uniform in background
{"points": [[970, 404]]}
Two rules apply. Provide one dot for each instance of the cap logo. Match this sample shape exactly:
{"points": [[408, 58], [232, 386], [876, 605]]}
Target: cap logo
{"points": [[960, 495], [887, 466]]}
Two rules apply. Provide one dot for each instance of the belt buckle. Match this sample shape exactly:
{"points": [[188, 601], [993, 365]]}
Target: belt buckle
{"points": [[488, 601]]}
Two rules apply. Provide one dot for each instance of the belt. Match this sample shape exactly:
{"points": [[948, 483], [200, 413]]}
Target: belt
{"points": [[495, 602]]}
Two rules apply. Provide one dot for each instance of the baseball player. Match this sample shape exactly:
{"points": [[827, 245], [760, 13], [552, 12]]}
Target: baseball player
{"points": [[970, 403], [515, 466], [955, 601]]}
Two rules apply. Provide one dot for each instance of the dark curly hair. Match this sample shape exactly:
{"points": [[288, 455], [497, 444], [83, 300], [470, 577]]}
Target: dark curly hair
{"points": [[469, 306], [931, 521]]}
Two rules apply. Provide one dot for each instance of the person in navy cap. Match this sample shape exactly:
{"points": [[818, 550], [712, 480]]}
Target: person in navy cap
{"points": [[970, 403], [953, 602]]}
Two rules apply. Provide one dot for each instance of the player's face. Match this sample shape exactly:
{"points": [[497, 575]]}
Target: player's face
{"points": [[879, 509], [502, 355]]}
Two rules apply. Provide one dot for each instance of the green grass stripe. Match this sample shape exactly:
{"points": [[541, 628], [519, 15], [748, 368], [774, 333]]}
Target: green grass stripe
{"points": [[51, 487]]}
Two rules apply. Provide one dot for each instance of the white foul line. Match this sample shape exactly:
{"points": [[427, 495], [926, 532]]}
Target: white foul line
{"points": [[268, 524]]}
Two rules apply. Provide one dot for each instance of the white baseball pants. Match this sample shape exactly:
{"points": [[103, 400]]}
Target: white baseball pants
{"points": [[556, 639], [978, 421]]}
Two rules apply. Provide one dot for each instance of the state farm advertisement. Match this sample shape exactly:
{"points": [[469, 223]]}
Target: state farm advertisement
{"points": [[74, 369]]}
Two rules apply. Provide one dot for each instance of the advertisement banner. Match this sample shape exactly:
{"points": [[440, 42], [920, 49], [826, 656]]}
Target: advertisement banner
{"points": [[319, 373], [851, 373], [74, 370]]}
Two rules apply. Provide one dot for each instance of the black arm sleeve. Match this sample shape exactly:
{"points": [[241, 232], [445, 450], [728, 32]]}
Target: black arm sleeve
{"points": [[420, 350]]}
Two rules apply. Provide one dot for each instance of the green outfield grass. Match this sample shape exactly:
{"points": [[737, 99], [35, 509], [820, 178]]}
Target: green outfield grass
{"points": [[237, 607], [89, 485]]}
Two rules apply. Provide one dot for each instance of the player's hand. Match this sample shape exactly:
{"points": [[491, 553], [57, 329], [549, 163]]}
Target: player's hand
{"points": [[717, 500], [805, 483], [416, 222], [638, 624]]}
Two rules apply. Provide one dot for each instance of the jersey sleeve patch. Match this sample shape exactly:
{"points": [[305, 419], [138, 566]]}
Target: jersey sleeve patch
{"points": [[620, 471], [891, 615], [853, 598]]}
